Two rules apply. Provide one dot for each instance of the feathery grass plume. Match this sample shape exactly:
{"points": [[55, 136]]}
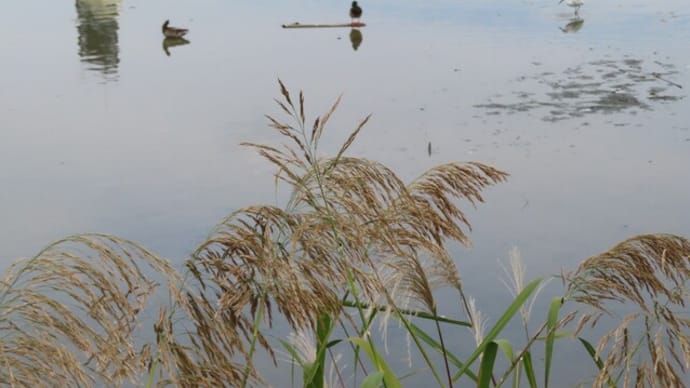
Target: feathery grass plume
{"points": [[205, 353], [651, 273], [516, 283], [68, 316], [335, 372], [343, 213], [413, 276], [304, 345], [348, 222], [252, 260], [478, 322], [410, 280], [434, 193], [516, 273], [302, 348]]}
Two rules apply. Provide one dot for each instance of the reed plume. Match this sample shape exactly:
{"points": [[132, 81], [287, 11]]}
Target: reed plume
{"points": [[346, 215], [651, 346], [70, 314], [349, 222]]}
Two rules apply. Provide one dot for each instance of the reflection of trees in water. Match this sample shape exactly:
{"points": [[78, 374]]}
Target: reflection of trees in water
{"points": [[98, 40]]}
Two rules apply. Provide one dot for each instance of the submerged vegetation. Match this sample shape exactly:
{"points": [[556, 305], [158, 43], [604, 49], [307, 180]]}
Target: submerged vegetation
{"points": [[354, 249]]}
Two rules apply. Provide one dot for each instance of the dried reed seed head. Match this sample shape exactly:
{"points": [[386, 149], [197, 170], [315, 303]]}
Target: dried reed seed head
{"points": [[345, 217], [209, 354], [301, 275], [75, 307], [640, 267], [650, 271], [412, 277]]}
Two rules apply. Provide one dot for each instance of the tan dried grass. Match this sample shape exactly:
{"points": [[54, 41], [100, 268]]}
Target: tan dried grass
{"points": [[349, 219], [651, 273], [70, 314]]}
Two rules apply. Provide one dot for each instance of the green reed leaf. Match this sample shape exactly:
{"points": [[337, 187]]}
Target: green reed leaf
{"points": [[506, 347], [593, 354], [529, 370], [486, 367], [374, 380], [389, 378], [510, 312], [551, 322], [434, 344]]}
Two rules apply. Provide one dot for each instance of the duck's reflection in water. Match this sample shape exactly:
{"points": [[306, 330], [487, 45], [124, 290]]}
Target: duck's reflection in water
{"points": [[356, 38], [172, 42]]}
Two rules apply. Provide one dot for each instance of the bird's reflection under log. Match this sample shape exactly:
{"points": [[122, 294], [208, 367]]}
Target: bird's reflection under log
{"points": [[356, 38]]}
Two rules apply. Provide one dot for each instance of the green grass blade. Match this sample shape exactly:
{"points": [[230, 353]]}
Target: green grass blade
{"points": [[389, 378], [559, 334], [332, 343], [597, 360], [309, 370], [529, 370], [374, 380], [506, 347], [486, 368], [414, 313], [551, 322], [252, 344], [324, 327], [592, 352], [434, 344], [510, 312], [292, 351], [152, 373]]}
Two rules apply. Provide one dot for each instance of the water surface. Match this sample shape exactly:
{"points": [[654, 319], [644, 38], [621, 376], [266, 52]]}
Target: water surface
{"points": [[105, 127]]}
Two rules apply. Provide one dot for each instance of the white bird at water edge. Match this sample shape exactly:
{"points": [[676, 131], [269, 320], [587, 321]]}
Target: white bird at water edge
{"points": [[573, 3]]}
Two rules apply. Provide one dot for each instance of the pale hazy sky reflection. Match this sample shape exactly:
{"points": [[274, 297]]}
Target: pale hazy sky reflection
{"points": [[101, 131]]}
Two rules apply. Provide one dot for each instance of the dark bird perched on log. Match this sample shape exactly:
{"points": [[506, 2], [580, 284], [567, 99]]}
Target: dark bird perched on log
{"points": [[172, 32], [355, 12]]}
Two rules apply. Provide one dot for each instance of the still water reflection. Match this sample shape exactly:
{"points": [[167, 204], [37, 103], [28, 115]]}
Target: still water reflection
{"points": [[98, 35], [593, 124], [573, 25], [173, 42], [356, 38]]}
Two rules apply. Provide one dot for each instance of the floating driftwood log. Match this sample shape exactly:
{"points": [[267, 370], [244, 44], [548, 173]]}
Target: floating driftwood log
{"points": [[300, 25]]}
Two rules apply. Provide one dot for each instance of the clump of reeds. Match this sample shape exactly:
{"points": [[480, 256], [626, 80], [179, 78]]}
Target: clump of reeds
{"points": [[352, 241], [68, 316], [351, 232], [351, 227], [651, 345]]}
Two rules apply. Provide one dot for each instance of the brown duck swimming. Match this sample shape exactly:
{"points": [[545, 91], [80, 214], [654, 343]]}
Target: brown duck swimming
{"points": [[172, 32]]}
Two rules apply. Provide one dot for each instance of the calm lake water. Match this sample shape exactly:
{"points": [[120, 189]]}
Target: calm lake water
{"points": [[104, 128]]}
